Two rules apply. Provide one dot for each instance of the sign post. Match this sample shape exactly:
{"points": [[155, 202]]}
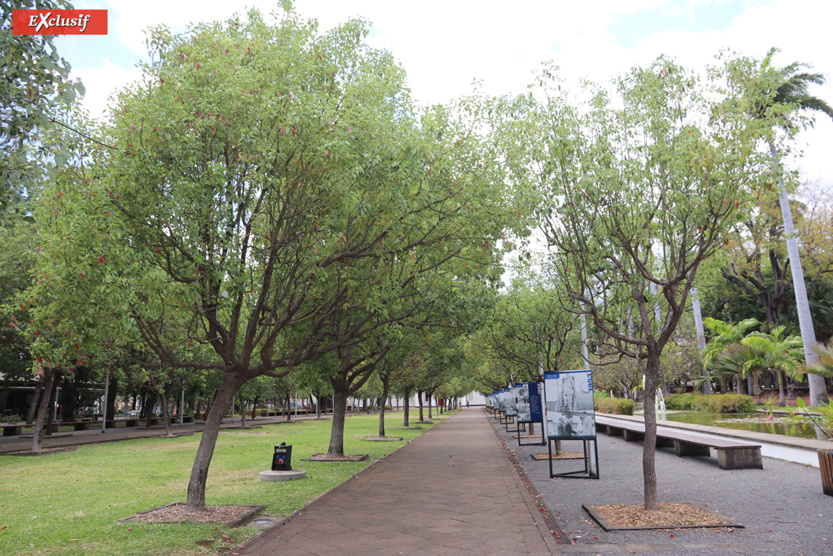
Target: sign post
{"points": [[530, 410], [570, 416]]}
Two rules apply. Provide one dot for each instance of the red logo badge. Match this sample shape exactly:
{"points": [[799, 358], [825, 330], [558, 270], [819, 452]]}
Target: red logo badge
{"points": [[59, 22]]}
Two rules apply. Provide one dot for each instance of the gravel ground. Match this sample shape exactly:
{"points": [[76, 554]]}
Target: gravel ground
{"points": [[782, 506]]}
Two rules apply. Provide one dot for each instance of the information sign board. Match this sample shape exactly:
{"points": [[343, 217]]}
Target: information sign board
{"points": [[569, 405]]}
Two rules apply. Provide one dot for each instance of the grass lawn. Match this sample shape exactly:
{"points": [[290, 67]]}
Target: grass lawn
{"points": [[68, 503]]}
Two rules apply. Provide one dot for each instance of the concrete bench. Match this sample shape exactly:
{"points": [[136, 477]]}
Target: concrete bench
{"points": [[76, 425], [731, 454], [12, 430]]}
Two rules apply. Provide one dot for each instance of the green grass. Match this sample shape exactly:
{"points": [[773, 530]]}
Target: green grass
{"points": [[69, 503]]}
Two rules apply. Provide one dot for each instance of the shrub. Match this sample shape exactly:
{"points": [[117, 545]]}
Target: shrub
{"points": [[617, 406], [682, 402], [717, 403], [730, 403]]}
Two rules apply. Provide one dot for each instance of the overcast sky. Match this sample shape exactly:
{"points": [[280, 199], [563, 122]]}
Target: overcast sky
{"points": [[446, 44]]}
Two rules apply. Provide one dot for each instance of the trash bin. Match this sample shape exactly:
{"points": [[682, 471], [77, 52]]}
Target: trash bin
{"points": [[282, 459]]}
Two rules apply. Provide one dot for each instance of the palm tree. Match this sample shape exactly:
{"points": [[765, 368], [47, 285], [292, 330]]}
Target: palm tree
{"points": [[777, 353], [733, 363], [727, 335], [824, 364], [793, 91]]}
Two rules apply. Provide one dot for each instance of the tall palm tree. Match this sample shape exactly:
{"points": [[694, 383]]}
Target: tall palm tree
{"points": [[777, 353], [793, 91]]}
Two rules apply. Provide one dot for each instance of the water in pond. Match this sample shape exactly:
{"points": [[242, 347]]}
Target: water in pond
{"points": [[756, 422]]}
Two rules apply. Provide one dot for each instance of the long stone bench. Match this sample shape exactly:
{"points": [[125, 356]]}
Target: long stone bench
{"points": [[731, 454], [12, 430]]}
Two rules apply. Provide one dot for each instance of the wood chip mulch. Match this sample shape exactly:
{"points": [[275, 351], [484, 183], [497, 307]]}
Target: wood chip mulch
{"points": [[635, 516], [562, 455], [178, 512]]}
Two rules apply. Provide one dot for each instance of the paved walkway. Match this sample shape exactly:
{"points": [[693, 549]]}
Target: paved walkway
{"points": [[450, 491]]}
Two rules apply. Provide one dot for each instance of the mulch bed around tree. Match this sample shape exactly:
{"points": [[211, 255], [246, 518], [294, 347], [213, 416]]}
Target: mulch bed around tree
{"points": [[622, 517], [43, 451], [325, 457], [383, 438], [177, 512], [562, 455]]}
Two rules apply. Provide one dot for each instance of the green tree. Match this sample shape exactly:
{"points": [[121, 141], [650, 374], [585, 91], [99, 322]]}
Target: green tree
{"points": [[35, 88], [266, 179], [530, 331], [634, 199]]}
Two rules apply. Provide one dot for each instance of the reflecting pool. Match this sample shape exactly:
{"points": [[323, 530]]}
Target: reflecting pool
{"points": [[757, 422]]}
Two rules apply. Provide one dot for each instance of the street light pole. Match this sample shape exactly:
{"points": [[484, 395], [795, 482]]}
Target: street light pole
{"points": [[104, 407]]}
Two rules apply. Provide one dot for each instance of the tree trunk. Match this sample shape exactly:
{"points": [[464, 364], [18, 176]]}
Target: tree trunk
{"points": [[147, 407], [53, 403], [818, 388], [169, 433], [112, 389], [419, 399], [782, 394], [68, 406], [385, 388], [32, 414], [428, 396], [740, 384], [701, 337], [790, 388], [406, 409], [43, 408], [336, 448], [199, 472], [649, 445]]}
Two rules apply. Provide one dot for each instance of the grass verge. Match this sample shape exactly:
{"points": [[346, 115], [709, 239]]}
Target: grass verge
{"points": [[68, 503]]}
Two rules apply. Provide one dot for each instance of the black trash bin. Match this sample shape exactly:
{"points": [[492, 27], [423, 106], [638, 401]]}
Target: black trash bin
{"points": [[282, 459]]}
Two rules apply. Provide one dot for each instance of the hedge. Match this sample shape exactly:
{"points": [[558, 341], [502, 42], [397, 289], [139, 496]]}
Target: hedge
{"points": [[617, 406], [715, 403]]}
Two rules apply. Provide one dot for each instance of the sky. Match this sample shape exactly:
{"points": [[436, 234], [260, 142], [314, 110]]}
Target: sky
{"points": [[445, 45]]}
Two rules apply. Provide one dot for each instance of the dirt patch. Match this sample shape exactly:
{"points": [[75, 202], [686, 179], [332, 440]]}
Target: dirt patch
{"points": [[178, 512], [383, 438], [43, 451], [669, 516], [325, 457]]}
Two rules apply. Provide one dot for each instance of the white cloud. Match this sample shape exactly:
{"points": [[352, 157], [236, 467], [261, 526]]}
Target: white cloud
{"points": [[100, 82]]}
